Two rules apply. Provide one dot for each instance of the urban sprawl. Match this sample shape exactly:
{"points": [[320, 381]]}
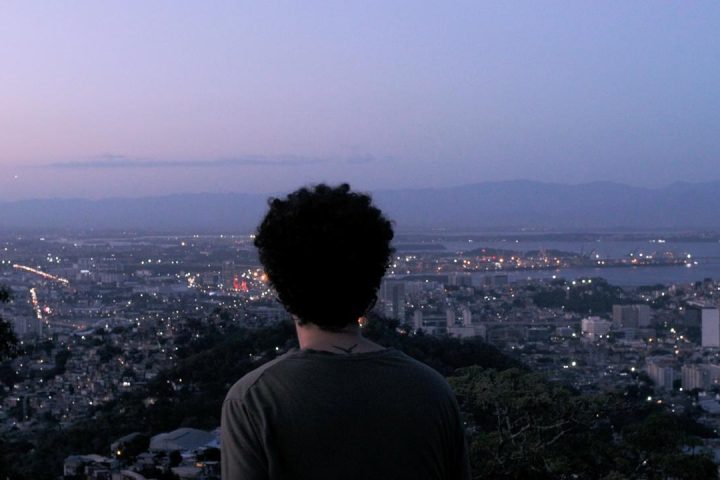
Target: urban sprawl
{"points": [[99, 316]]}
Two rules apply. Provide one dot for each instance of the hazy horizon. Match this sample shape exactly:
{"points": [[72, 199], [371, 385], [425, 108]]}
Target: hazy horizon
{"points": [[374, 191], [520, 204]]}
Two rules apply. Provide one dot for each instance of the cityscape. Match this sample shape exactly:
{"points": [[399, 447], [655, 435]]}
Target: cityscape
{"points": [[103, 316]]}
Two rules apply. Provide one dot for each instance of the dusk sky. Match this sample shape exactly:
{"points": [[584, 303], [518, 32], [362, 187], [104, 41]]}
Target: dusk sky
{"points": [[139, 98]]}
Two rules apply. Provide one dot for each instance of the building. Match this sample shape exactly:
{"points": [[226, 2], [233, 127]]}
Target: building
{"points": [[232, 276], [700, 376], [26, 326], [466, 316], [450, 317], [710, 327], [692, 314], [182, 439], [564, 331], [495, 281], [539, 334], [693, 376], [662, 372], [418, 319], [460, 279], [631, 316], [469, 331], [87, 465], [594, 327], [392, 296]]}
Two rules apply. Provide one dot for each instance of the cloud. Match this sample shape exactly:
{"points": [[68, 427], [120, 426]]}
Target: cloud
{"points": [[121, 161], [359, 159]]}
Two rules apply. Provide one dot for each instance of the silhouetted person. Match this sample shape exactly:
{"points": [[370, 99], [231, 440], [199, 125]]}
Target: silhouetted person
{"points": [[340, 407]]}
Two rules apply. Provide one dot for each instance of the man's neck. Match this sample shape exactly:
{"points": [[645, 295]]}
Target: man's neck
{"points": [[347, 341]]}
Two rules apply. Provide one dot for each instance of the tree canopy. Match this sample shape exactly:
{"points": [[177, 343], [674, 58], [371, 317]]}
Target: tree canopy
{"points": [[522, 426], [8, 339]]}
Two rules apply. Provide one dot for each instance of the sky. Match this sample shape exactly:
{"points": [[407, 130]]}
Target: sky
{"points": [[137, 98]]}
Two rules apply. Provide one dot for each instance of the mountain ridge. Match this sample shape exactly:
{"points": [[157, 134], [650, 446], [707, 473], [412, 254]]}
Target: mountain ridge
{"points": [[509, 204]]}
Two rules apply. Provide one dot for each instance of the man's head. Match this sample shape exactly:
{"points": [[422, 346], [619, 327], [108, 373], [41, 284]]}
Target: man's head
{"points": [[325, 250]]}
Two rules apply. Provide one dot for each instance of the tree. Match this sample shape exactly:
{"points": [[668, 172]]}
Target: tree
{"points": [[520, 425], [8, 340], [175, 458], [518, 422]]}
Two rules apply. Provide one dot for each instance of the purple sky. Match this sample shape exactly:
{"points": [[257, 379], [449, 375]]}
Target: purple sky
{"points": [[138, 98]]}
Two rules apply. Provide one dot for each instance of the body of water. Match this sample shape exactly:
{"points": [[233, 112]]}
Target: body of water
{"points": [[625, 276], [706, 254]]}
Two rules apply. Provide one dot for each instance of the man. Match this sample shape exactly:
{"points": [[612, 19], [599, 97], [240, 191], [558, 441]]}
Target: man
{"points": [[340, 407]]}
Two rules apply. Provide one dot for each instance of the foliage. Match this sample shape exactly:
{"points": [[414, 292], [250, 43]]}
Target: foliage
{"points": [[443, 353], [597, 296], [108, 351], [522, 426], [8, 339]]}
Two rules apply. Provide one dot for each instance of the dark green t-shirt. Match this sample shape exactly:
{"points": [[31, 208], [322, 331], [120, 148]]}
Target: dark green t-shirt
{"points": [[317, 415]]}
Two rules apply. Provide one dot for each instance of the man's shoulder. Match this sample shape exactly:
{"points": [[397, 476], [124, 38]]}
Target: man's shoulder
{"points": [[240, 388], [390, 365], [424, 373], [416, 365]]}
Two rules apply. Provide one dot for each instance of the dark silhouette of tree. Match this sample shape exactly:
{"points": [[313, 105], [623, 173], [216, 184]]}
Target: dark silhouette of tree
{"points": [[596, 297], [522, 426], [8, 340], [175, 458]]}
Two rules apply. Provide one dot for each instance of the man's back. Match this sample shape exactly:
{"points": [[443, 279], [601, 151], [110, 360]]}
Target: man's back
{"points": [[318, 415]]}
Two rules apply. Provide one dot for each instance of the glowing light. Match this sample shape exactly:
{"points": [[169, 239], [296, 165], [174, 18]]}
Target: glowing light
{"points": [[35, 304], [42, 274]]}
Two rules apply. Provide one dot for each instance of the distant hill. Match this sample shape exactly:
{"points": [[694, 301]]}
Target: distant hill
{"points": [[513, 204]]}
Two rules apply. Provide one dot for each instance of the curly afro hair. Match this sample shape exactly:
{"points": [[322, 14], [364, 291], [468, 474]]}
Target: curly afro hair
{"points": [[325, 250]]}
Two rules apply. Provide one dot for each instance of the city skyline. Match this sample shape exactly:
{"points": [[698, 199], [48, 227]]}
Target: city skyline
{"points": [[131, 99]]}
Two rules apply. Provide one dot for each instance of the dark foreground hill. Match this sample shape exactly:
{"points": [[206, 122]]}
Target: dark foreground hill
{"points": [[519, 425], [209, 365]]}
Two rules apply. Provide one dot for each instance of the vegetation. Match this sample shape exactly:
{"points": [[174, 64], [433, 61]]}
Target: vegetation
{"points": [[8, 340], [595, 296], [521, 426]]}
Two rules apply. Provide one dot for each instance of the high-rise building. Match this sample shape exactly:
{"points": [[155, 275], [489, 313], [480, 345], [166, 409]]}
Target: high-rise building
{"points": [[692, 315], [701, 376], [451, 317], [418, 319], [231, 275], [466, 316], [710, 325], [661, 372], [631, 316], [461, 326], [392, 296], [693, 376]]}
